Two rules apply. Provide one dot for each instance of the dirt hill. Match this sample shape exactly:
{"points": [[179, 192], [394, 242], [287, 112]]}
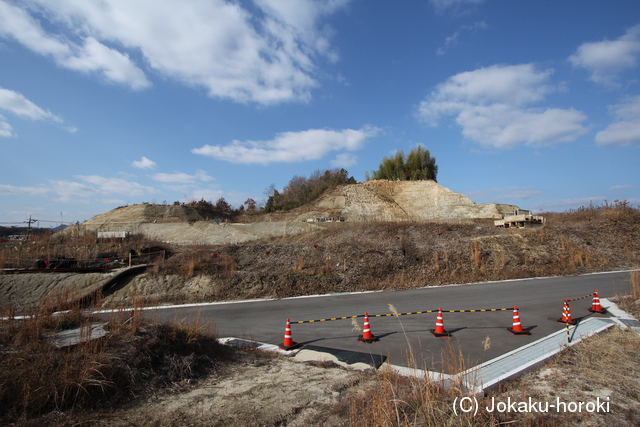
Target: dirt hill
{"points": [[383, 200], [372, 201]]}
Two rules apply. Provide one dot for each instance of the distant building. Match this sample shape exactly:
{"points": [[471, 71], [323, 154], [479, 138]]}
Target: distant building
{"points": [[518, 219]]}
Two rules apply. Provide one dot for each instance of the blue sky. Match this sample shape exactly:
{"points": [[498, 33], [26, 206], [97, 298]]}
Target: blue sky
{"points": [[103, 104]]}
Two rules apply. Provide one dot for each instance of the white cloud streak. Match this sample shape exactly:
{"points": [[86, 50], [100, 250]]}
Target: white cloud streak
{"points": [[6, 130], [493, 107], [621, 187], [265, 56], [443, 5], [626, 129], [289, 147], [116, 185], [453, 39], [66, 190], [501, 194], [344, 160], [17, 104], [563, 205], [606, 60], [182, 178], [144, 163]]}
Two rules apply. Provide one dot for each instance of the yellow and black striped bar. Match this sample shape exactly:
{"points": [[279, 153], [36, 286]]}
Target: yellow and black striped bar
{"points": [[578, 299], [476, 311], [402, 314]]}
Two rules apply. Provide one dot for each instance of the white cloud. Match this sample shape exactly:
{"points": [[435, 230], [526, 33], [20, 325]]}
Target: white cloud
{"points": [[289, 147], [182, 178], [114, 66], [453, 40], [91, 56], [607, 59], [116, 185], [563, 205], [118, 202], [203, 193], [626, 130], [264, 55], [17, 104], [622, 187], [498, 194], [492, 105], [143, 163], [70, 190], [519, 193], [12, 190], [442, 5], [6, 130], [344, 160], [65, 190]]}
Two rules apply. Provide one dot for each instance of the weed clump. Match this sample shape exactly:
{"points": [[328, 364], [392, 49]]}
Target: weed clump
{"points": [[135, 358]]}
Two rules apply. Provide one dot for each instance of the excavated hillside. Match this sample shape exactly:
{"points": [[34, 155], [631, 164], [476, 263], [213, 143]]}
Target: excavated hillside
{"points": [[372, 201], [391, 201]]}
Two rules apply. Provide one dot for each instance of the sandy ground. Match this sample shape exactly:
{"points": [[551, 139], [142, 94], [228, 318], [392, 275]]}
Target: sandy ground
{"points": [[261, 390], [27, 291]]}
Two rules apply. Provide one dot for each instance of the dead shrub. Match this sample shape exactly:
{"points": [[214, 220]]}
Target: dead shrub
{"points": [[476, 254], [188, 269], [229, 265], [328, 268], [436, 261]]}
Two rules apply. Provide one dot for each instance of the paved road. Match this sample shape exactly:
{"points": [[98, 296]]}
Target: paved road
{"points": [[539, 302]]}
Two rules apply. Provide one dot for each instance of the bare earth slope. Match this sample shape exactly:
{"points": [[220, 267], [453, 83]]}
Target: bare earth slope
{"points": [[383, 200], [372, 201]]}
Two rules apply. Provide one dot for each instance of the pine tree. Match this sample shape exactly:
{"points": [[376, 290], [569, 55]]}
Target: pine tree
{"points": [[418, 165]]}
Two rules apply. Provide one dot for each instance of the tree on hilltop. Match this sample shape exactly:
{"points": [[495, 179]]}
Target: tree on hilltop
{"points": [[418, 165], [301, 190]]}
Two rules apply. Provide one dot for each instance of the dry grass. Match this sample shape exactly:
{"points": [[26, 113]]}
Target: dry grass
{"points": [[384, 256], [603, 366], [136, 358], [83, 248], [599, 367], [381, 256], [631, 302]]}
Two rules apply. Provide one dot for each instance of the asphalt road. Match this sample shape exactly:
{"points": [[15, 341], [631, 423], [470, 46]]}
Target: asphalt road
{"points": [[539, 302]]}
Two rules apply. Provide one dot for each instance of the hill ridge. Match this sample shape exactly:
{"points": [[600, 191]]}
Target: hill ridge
{"points": [[371, 201]]}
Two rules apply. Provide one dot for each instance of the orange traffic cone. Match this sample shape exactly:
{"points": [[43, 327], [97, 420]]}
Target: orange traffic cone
{"points": [[367, 336], [566, 314], [439, 331], [288, 343], [517, 326], [595, 306]]}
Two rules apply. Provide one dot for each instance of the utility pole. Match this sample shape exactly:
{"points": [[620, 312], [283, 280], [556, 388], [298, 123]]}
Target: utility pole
{"points": [[29, 222]]}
